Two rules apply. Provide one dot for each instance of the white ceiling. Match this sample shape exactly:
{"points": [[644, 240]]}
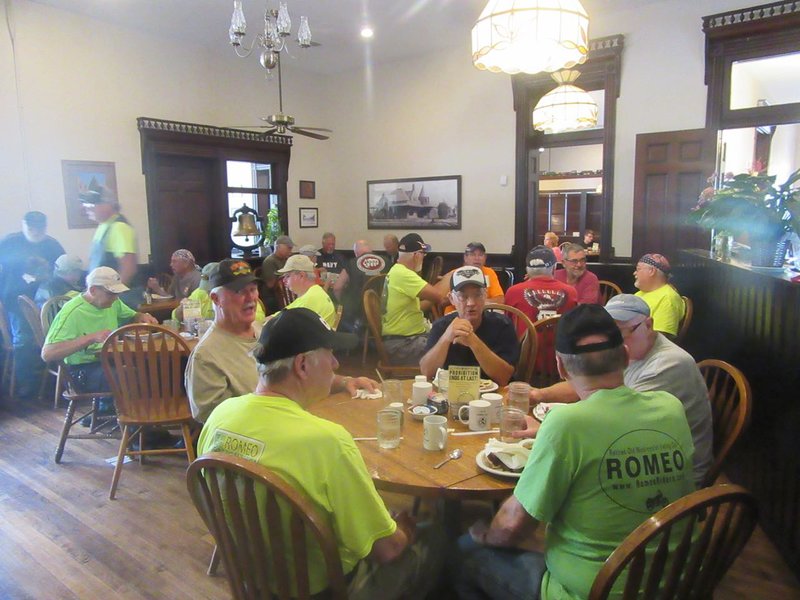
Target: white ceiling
{"points": [[403, 28]]}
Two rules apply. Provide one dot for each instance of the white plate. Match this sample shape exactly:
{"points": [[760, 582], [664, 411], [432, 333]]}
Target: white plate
{"points": [[483, 463], [487, 385], [540, 410], [160, 297], [131, 335]]}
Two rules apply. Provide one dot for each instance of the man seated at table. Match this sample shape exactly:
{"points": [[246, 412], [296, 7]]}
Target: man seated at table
{"points": [[588, 239], [404, 328], [667, 308], [349, 286], [299, 277], [656, 364], [269, 272], [577, 275], [472, 337], [550, 240], [329, 259], [475, 256], [83, 324], [186, 276], [592, 476], [392, 247], [382, 557], [67, 280]]}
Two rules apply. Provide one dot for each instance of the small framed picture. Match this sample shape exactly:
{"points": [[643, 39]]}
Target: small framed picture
{"points": [[309, 218], [80, 176], [308, 190]]}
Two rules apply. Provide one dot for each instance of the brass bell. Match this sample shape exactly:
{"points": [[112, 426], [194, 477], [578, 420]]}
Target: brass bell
{"points": [[247, 226]]}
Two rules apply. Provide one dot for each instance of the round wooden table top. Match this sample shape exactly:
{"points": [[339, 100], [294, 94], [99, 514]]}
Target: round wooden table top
{"points": [[408, 469]]}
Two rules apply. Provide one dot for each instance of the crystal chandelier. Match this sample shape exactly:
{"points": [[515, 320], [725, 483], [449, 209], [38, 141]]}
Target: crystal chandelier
{"points": [[530, 36], [277, 27], [565, 108]]}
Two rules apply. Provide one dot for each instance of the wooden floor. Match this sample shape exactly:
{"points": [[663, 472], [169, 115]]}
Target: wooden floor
{"points": [[60, 536]]}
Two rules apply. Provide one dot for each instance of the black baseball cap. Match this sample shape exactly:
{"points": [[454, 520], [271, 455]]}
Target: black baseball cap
{"points": [[582, 321], [473, 246], [233, 274], [412, 242], [541, 257], [297, 330]]}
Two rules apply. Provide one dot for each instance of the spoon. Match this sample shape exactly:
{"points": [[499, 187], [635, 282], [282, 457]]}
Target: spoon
{"points": [[454, 455]]}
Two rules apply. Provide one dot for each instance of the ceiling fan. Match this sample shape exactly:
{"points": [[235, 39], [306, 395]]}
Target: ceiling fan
{"points": [[282, 122]]}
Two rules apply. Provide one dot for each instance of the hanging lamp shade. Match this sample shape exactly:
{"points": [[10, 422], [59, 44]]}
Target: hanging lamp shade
{"points": [[565, 108], [530, 36]]}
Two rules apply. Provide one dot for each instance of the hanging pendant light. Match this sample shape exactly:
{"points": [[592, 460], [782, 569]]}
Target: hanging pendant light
{"points": [[530, 36], [565, 108]]}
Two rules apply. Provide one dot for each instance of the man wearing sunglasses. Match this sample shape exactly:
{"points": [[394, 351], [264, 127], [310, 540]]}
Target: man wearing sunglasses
{"points": [[577, 275]]}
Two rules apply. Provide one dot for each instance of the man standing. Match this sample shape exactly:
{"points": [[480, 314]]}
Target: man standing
{"points": [[592, 476], [667, 308], [298, 275], [472, 337], [83, 324], [382, 557], [541, 296], [392, 247], [269, 272], [404, 328], [114, 242], [186, 276], [577, 275], [66, 280], [475, 256]]}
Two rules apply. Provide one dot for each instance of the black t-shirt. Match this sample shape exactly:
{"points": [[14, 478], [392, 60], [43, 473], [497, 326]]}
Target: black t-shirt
{"points": [[333, 262], [351, 296], [496, 331], [19, 257]]}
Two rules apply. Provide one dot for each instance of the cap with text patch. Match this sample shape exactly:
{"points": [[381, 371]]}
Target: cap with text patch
{"points": [[413, 242], [582, 321], [467, 276], [233, 274]]}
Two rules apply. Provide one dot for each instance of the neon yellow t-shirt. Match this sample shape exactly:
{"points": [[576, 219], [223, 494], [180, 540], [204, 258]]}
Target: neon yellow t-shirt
{"points": [[400, 302], [317, 299], [666, 308], [121, 239], [313, 455]]}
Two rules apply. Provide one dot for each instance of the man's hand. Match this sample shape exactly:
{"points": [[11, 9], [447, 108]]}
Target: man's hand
{"points": [[98, 337], [353, 384], [531, 429], [152, 284], [407, 523], [460, 331], [145, 318], [478, 531]]}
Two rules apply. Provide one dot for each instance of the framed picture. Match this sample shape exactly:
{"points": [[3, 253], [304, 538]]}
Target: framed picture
{"points": [[308, 190], [309, 218], [414, 203], [80, 176]]}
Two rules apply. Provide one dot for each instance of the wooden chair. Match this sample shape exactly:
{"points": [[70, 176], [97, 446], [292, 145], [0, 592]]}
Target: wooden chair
{"points": [[683, 327], [372, 312], [31, 313], [242, 503], [146, 379], [7, 379], [608, 289], [284, 294], [545, 372], [435, 270], [528, 340], [47, 314], [372, 283], [731, 405], [684, 549]]}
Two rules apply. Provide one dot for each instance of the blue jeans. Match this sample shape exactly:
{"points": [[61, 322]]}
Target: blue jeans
{"points": [[480, 572]]}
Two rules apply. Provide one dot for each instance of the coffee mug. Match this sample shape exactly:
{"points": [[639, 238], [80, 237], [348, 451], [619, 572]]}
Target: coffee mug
{"points": [[420, 392], [496, 400], [480, 417], [434, 432]]}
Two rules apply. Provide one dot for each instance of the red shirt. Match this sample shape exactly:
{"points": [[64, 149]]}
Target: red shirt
{"points": [[541, 295], [587, 286]]}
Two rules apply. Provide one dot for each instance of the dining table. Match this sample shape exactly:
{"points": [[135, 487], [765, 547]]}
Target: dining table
{"points": [[159, 307]]}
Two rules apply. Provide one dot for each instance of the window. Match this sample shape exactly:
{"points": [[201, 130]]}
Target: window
{"points": [[249, 184]]}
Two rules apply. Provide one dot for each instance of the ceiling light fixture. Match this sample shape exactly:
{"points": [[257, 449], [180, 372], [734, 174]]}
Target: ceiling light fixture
{"points": [[530, 36], [367, 32], [565, 108], [277, 27]]}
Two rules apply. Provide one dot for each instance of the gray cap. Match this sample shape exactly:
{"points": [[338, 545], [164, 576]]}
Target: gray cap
{"points": [[308, 250], [285, 240], [209, 271], [67, 263], [624, 307]]}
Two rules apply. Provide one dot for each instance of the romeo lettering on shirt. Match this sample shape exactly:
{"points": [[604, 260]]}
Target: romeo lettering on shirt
{"points": [[237, 444]]}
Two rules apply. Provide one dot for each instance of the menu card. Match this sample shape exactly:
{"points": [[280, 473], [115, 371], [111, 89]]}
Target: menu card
{"points": [[465, 384]]}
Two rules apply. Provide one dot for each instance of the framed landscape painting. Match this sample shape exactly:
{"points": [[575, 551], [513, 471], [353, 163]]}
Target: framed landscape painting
{"points": [[414, 203], [309, 218], [80, 176]]}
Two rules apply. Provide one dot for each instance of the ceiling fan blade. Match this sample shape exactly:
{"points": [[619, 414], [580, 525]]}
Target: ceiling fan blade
{"points": [[270, 131], [248, 126], [310, 134], [317, 129]]}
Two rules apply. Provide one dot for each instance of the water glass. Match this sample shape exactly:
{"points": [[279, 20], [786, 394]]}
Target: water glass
{"points": [[511, 420], [443, 381], [519, 396], [389, 427], [393, 390], [172, 324]]}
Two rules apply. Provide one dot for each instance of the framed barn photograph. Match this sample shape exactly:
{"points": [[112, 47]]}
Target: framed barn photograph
{"points": [[414, 203], [309, 218], [80, 176]]}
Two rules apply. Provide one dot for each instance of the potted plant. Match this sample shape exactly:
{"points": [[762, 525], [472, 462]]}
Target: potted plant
{"points": [[272, 230], [753, 205]]}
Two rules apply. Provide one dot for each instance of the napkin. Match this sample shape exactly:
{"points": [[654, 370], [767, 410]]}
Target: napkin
{"points": [[513, 455], [364, 394]]}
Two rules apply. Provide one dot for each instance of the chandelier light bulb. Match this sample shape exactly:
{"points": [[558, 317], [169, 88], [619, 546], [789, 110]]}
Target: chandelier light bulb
{"points": [[304, 33], [273, 40], [566, 108], [284, 22], [238, 24]]}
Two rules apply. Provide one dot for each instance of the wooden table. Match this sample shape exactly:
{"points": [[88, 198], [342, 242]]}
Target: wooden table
{"points": [[159, 306], [408, 469]]}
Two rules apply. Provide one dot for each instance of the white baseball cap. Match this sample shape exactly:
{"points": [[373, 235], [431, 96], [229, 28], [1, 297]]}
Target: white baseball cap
{"points": [[297, 262], [106, 278], [467, 276]]}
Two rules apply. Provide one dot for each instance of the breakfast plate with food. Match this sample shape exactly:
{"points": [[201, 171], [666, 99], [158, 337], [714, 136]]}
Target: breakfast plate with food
{"points": [[504, 459]]}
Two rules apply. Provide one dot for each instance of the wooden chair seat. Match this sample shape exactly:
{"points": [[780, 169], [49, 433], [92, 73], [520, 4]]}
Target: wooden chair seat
{"points": [[529, 345], [545, 372], [372, 312], [372, 283], [683, 326]]}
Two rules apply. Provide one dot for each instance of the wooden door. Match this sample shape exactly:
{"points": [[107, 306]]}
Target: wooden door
{"points": [[671, 170]]}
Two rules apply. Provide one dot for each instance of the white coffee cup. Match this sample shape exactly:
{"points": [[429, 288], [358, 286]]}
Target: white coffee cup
{"points": [[434, 432], [496, 400], [420, 391], [420, 378], [480, 417]]}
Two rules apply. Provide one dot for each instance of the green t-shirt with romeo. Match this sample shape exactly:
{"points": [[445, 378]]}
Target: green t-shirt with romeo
{"points": [[598, 469]]}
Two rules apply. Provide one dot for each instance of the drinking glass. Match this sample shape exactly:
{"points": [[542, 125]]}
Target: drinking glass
{"points": [[519, 396], [511, 419], [389, 426], [393, 390], [172, 324]]}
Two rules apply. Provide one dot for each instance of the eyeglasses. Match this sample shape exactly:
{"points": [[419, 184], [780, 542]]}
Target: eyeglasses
{"points": [[462, 297], [629, 332], [576, 261]]}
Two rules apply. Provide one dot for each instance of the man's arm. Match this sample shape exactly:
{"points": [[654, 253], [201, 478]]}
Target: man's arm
{"points": [[206, 386], [341, 283], [60, 350], [436, 355], [559, 392], [511, 526], [387, 549], [127, 267], [145, 318], [431, 294], [353, 384], [495, 367]]}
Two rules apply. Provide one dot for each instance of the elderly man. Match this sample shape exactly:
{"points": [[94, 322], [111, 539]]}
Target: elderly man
{"points": [[66, 280], [82, 325], [667, 308], [392, 247], [541, 295], [404, 328], [186, 279], [329, 259], [551, 241], [472, 337], [269, 271], [475, 256], [592, 476], [299, 277], [349, 285], [577, 275], [382, 557]]}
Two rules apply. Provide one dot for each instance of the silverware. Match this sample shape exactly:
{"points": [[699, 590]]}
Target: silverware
{"points": [[454, 455]]}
